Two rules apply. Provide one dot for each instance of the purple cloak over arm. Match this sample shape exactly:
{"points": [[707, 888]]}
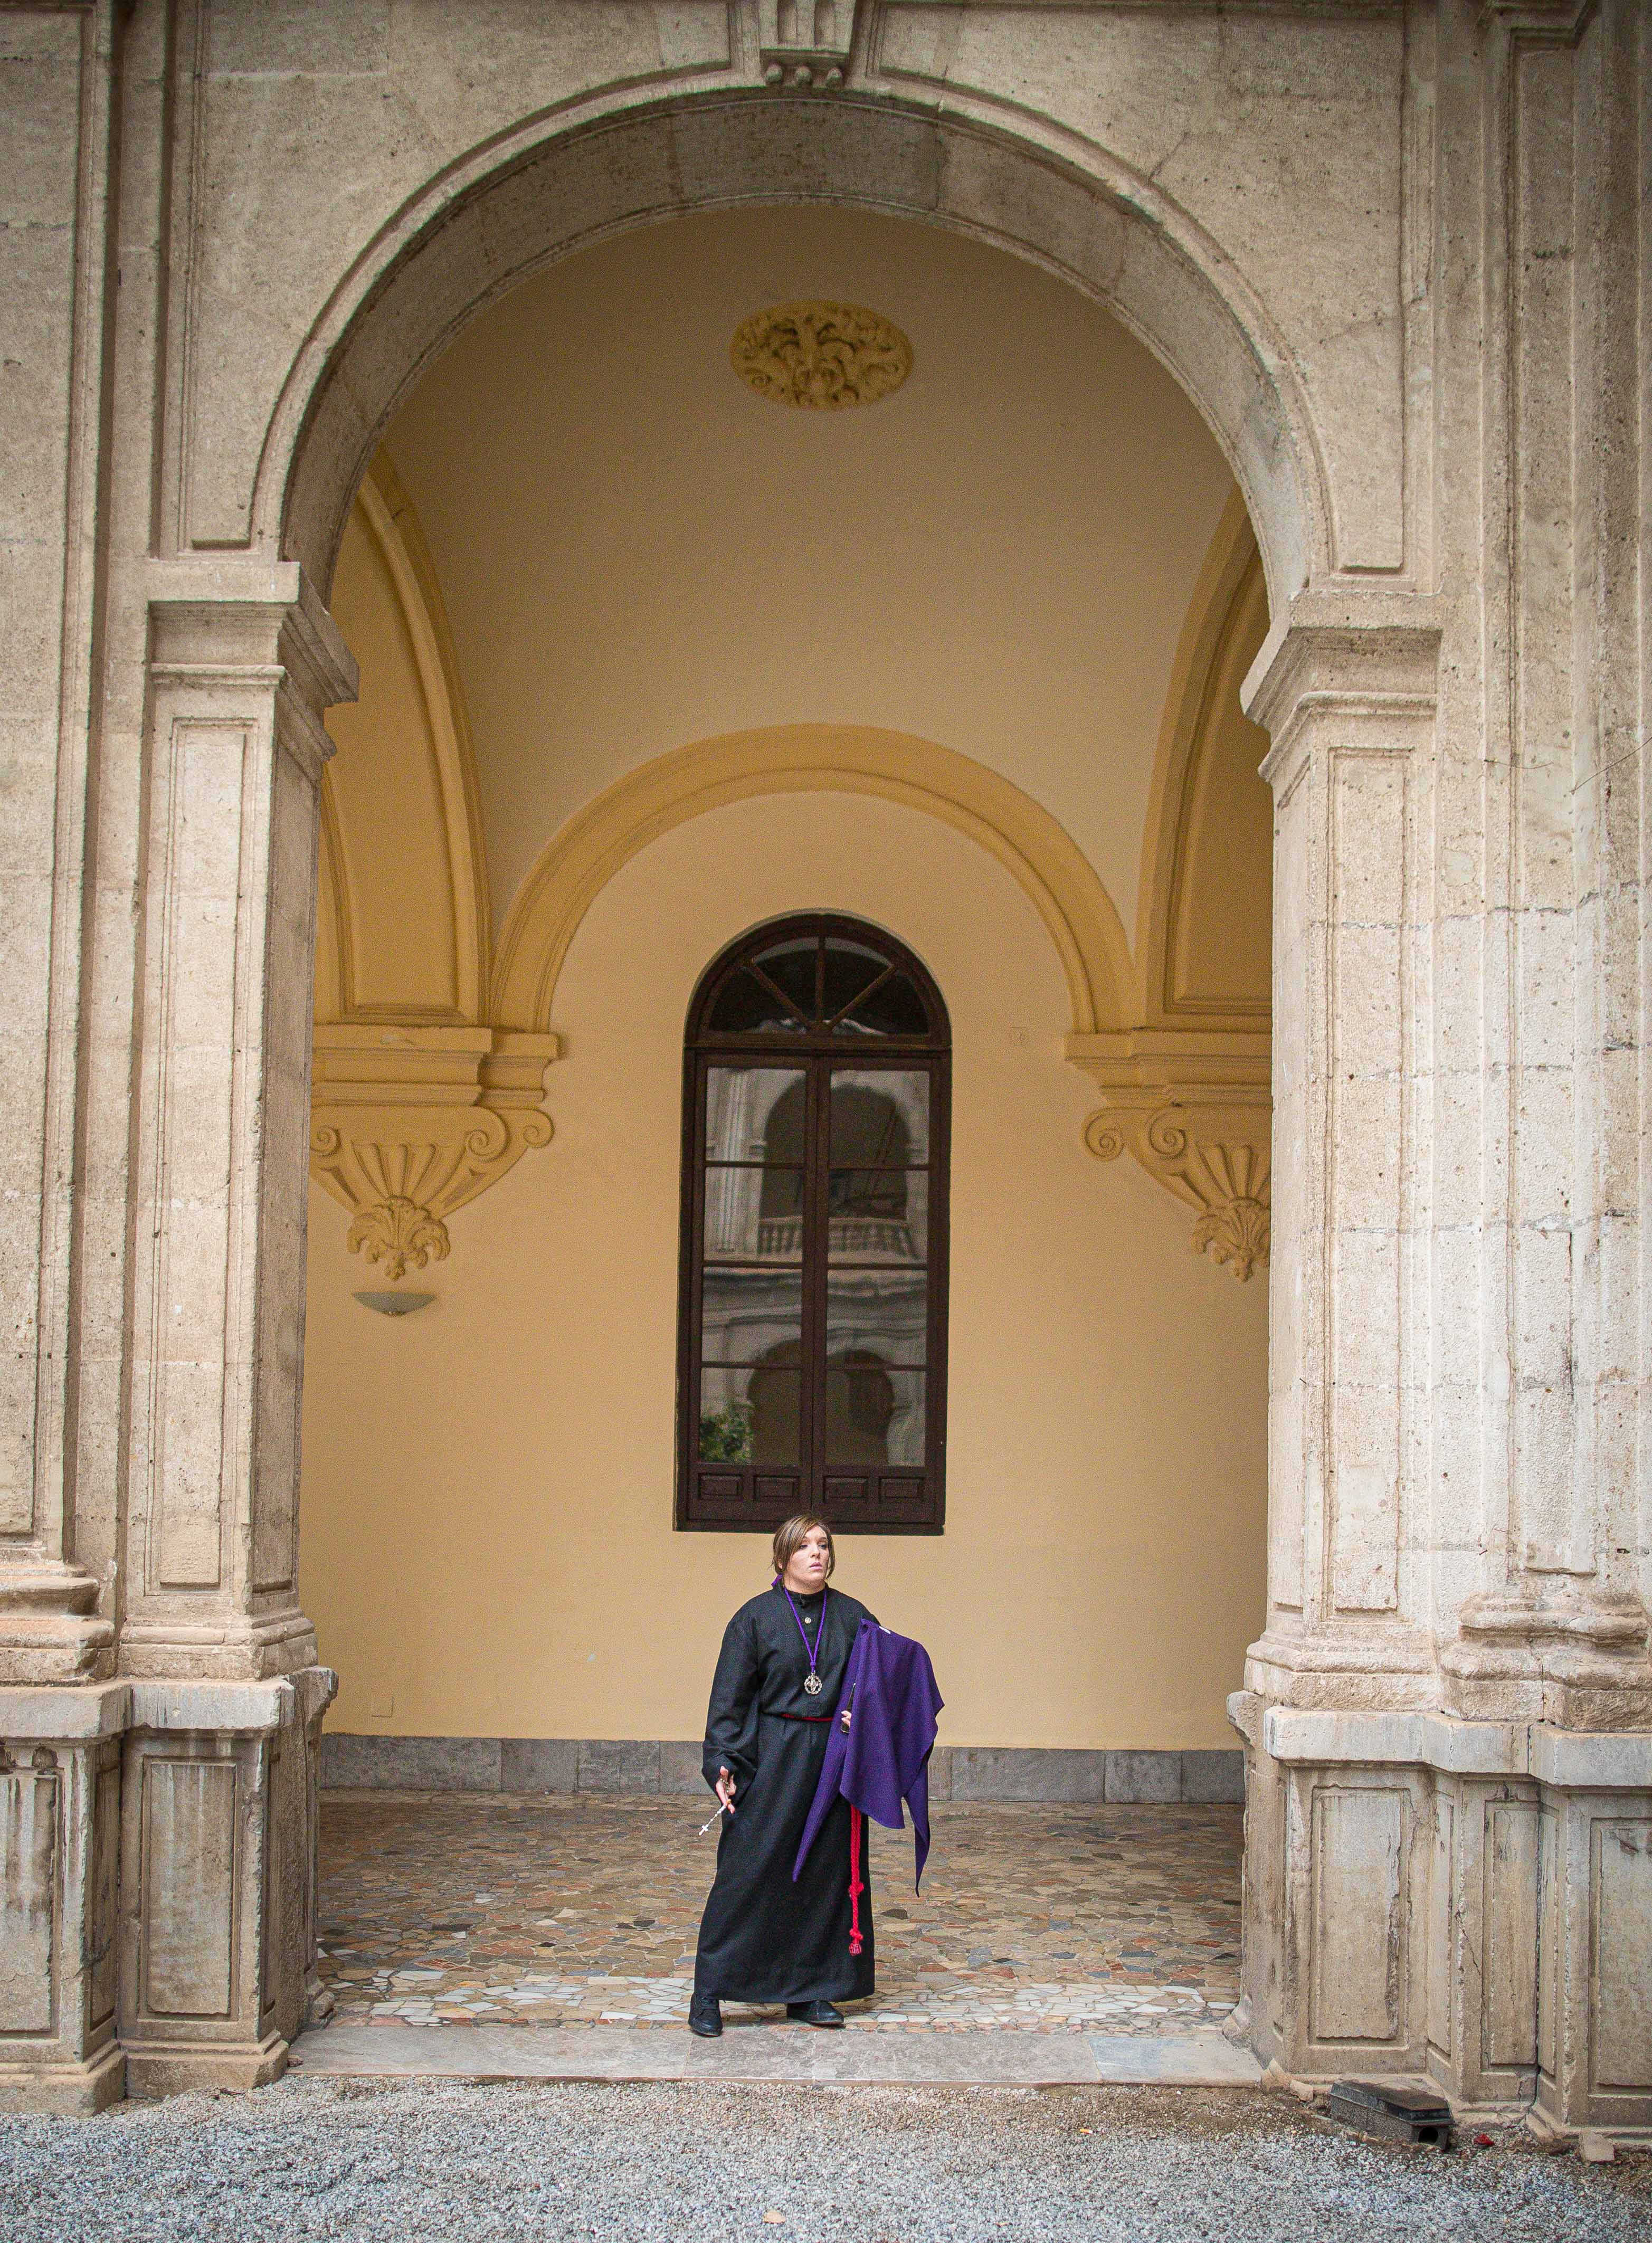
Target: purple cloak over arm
{"points": [[885, 1758]]}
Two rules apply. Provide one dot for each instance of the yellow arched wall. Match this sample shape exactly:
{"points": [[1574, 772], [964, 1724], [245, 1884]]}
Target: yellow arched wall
{"points": [[1101, 1572], [1203, 935], [808, 759], [403, 914]]}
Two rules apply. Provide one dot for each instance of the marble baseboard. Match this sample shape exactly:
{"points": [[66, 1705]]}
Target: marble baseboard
{"points": [[653, 1768]]}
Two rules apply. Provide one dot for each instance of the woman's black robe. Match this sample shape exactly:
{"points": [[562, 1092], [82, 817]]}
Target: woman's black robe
{"points": [[762, 1937]]}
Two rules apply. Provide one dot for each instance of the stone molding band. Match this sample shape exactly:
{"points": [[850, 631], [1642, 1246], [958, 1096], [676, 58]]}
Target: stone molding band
{"points": [[669, 1767]]}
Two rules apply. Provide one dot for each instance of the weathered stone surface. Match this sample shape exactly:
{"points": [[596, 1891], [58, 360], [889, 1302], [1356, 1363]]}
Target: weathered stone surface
{"points": [[1138, 1778], [1213, 1778], [1010, 1773], [413, 1763], [610, 1764], [680, 1772], [538, 1764]]}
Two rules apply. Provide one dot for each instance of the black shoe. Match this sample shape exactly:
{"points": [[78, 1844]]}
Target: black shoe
{"points": [[814, 2013], [706, 2017]]}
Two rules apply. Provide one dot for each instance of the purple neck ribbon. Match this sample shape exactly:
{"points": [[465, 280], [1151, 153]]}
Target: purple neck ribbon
{"points": [[811, 1648]]}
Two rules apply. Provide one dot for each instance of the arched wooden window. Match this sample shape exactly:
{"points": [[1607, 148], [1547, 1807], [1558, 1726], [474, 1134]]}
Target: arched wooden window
{"points": [[812, 1366]]}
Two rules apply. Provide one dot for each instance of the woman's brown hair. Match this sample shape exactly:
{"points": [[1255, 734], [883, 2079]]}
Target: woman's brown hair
{"points": [[788, 1540]]}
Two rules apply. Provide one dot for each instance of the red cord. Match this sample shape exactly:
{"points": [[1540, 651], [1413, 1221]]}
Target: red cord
{"points": [[855, 1886]]}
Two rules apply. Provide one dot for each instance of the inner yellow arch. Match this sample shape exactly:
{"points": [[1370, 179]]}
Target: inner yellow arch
{"points": [[598, 840]]}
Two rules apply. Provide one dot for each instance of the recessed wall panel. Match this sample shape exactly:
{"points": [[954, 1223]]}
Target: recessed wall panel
{"points": [[1359, 1930], [189, 1886]]}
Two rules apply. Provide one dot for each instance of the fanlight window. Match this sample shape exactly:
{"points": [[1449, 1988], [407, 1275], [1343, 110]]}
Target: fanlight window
{"points": [[812, 1367]]}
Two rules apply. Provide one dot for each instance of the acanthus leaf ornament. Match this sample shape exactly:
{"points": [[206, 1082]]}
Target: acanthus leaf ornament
{"points": [[398, 1231], [1198, 1119], [820, 356]]}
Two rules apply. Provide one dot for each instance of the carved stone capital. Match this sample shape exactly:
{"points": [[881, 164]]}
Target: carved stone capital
{"points": [[409, 1123], [1197, 1117]]}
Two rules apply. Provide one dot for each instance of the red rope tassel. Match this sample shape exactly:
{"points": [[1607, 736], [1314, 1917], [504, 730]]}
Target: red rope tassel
{"points": [[855, 1886]]}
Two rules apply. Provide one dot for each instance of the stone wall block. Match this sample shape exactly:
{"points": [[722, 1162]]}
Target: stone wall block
{"points": [[1143, 1778], [1003, 1772], [410, 1763], [1213, 1778], [538, 1764], [59, 1852], [217, 1898], [680, 1772], [614, 1764]]}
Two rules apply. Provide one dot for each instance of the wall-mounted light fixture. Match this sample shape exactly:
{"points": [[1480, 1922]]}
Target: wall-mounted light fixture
{"points": [[395, 1304]]}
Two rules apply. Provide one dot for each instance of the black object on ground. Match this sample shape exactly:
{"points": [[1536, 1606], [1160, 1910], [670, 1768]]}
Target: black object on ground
{"points": [[1391, 2114]]}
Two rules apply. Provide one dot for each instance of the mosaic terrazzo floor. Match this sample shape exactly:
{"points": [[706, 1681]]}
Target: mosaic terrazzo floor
{"points": [[489, 1911]]}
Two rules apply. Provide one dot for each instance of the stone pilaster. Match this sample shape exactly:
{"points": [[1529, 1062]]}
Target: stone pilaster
{"points": [[237, 687], [1346, 687], [55, 116]]}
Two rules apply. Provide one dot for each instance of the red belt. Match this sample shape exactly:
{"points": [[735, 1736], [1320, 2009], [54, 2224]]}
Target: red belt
{"points": [[797, 1717]]}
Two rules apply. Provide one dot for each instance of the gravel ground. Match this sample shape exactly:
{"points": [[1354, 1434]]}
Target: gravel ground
{"points": [[349, 2158]]}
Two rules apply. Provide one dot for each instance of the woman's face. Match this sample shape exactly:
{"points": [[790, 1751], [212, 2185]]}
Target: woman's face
{"points": [[806, 1569]]}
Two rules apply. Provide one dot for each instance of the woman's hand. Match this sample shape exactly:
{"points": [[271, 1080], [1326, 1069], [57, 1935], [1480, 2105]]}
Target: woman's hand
{"points": [[725, 1790], [845, 1720]]}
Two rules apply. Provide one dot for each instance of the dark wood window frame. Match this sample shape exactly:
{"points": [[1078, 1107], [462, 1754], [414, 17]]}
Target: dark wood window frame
{"points": [[735, 1490]]}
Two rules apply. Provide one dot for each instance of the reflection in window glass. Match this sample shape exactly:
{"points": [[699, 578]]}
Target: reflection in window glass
{"points": [[879, 1117], [850, 970], [747, 1006], [813, 1352], [742, 1107], [874, 1414], [753, 1215], [890, 1007], [746, 1314], [878, 1215], [751, 1415], [884, 1309], [791, 967]]}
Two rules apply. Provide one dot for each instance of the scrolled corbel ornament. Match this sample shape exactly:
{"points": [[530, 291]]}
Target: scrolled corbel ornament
{"points": [[1199, 1122], [408, 1124]]}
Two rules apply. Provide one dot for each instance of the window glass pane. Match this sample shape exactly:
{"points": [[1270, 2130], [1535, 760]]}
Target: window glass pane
{"points": [[744, 1006], [873, 1415], [878, 1215], [754, 1113], [747, 1314], [889, 1008], [879, 1116], [753, 1215], [790, 966], [883, 1313], [851, 969], [751, 1416]]}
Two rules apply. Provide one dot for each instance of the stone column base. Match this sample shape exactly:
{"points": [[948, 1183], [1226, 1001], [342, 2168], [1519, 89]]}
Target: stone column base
{"points": [[66, 2091], [155, 2069], [1467, 1903], [157, 1845]]}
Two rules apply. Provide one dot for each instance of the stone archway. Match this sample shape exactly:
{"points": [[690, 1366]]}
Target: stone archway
{"points": [[472, 233], [278, 662], [1431, 1790]]}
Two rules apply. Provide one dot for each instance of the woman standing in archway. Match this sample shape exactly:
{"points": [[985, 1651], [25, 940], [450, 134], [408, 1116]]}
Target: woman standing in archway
{"points": [[766, 1937]]}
